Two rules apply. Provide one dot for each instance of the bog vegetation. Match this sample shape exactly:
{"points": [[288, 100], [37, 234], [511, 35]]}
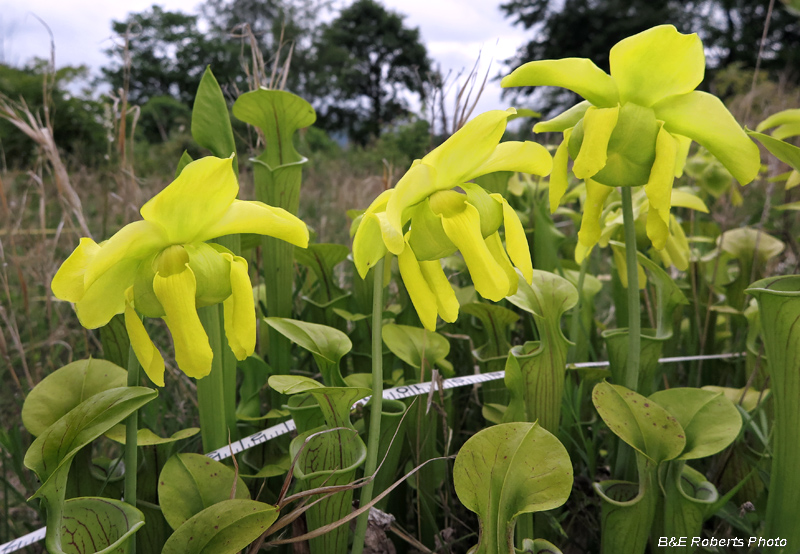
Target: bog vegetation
{"points": [[253, 301]]}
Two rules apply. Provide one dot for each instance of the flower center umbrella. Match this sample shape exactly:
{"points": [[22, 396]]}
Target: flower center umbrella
{"points": [[164, 266], [434, 211], [636, 124]]}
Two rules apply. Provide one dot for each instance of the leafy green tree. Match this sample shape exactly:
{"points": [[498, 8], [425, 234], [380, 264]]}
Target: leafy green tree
{"points": [[278, 26], [168, 54], [77, 120], [730, 29], [367, 63]]}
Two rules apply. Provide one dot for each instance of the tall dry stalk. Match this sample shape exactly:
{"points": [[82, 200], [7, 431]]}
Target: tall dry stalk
{"points": [[464, 103], [39, 128]]}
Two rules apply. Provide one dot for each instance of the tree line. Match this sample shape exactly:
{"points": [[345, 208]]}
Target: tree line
{"points": [[360, 66]]}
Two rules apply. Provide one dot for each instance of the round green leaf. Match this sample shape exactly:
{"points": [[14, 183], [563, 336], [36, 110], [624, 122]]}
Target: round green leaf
{"points": [[710, 420], [224, 528], [507, 470], [320, 340], [413, 344], [190, 483], [549, 296], [640, 422], [742, 242], [67, 387], [52, 452], [326, 344]]}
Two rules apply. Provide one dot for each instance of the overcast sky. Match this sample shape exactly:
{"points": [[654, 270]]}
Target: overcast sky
{"points": [[454, 31]]}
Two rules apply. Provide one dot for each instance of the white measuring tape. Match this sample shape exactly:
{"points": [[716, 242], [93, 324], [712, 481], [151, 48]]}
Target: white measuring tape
{"points": [[395, 393]]}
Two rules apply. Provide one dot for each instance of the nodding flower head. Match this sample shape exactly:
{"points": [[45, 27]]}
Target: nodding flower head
{"points": [[434, 211], [164, 267], [636, 124]]}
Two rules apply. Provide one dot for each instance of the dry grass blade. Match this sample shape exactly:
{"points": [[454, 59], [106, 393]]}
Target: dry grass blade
{"points": [[354, 514], [464, 103], [303, 496], [19, 115]]}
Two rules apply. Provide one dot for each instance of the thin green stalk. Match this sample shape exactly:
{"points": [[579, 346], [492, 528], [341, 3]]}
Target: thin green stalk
{"points": [[131, 450], [373, 442], [232, 243], [631, 380], [575, 323], [211, 389], [624, 470]]}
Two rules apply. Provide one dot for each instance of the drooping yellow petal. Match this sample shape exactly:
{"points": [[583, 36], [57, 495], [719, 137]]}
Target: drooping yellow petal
{"points": [[621, 263], [516, 241], [591, 228], [657, 63], [659, 188], [579, 75], [146, 352], [464, 229], [495, 246], [422, 297], [705, 119], [684, 143], [677, 246], [598, 124], [368, 246], [247, 216], [240, 310], [105, 297], [524, 157], [446, 301], [68, 282], [563, 121], [195, 200], [559, 179], [176, 292]]}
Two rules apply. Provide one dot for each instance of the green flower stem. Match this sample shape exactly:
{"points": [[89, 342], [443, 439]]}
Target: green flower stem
{"points": [[575, 322], [234, 244], [131, 450], [631, 379], [623, 469], [211, 389], [373, 441]]}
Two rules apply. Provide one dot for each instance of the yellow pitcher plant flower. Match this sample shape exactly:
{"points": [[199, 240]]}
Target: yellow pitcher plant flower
{"points": [[164, 267], [636, 124], [676, 251], [434, 211]]}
